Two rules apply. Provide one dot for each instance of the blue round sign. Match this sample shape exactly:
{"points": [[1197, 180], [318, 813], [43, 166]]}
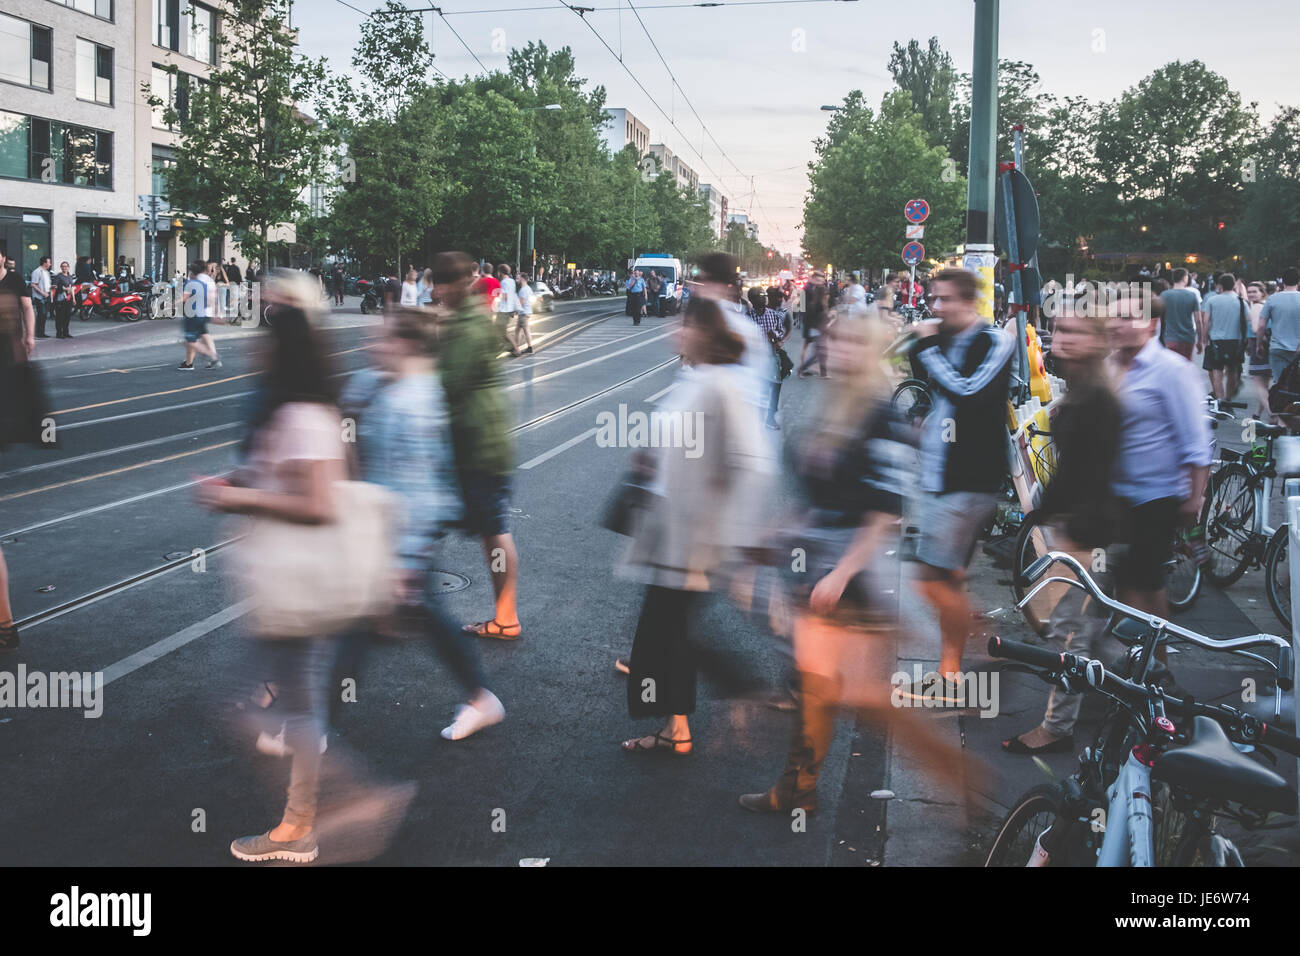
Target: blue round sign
{"points": [[916, 211], [913, 253]]}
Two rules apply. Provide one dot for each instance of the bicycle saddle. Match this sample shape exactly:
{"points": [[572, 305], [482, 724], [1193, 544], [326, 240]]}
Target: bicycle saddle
{"points": [[1264, 430], [1209, 766]]}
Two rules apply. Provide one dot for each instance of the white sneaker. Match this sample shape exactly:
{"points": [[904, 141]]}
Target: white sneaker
{"points": [[276, 747], [470, 719]]}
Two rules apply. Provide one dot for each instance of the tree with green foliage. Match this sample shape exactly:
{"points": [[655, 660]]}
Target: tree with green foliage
{"points": [[1268, 228], [390, 182], [929, 78], [247, 152], [867, 167]]}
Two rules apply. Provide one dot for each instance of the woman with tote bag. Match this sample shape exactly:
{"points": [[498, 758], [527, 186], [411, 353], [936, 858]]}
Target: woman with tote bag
{"points": [[315, 557]]}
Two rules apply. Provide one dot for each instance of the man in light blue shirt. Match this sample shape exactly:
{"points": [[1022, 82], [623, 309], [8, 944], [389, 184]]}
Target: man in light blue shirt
{"points": [[1226, 326], [1164, 456], [1281, 316]]}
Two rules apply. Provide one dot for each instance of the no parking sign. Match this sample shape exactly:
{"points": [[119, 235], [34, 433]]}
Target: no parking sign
{"points": [[913, 253]]}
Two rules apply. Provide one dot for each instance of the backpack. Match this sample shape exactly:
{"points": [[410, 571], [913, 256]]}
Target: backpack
{"points": [[1286, 389]]}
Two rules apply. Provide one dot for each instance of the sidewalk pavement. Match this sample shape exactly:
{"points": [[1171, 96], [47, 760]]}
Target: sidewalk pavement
{"points": [[104, 336], [920, 811]]}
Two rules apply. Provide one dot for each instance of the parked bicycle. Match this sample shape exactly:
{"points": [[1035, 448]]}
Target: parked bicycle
{"points": [[1109, 813], [1236, 510]]}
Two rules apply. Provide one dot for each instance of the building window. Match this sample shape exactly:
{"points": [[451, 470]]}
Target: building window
{"points": [[173, 88], [162, 164], [99, 8], [24, 53], [94, 72], [55, 152], [186, 27]]}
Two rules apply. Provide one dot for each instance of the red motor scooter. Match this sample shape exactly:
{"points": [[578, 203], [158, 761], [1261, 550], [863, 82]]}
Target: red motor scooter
{"points": [[105, 299]]}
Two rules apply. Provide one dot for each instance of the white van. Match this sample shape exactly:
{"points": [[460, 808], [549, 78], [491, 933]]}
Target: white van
{"points": [[670, 270]]}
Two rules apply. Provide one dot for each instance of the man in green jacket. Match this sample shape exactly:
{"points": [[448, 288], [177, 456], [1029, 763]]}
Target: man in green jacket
{"points": [[480, 430]]}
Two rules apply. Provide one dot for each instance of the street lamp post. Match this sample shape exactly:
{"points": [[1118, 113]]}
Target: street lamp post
{"points": [[532, 219]]}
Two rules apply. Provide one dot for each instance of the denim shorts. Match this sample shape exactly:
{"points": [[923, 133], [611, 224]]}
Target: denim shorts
{"points": [[194, 326], [487, 503], [950, 525]]}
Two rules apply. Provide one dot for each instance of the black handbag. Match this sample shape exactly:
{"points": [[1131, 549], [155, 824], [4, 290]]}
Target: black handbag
{"points": [[630, 497], [23, 409]]}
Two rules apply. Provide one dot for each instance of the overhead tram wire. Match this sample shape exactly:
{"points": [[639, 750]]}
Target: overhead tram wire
{"points": [[652, 6], [687, 100], [430, 9], [581, 11]]}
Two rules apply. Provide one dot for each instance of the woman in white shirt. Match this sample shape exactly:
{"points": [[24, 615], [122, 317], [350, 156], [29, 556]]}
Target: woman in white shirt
{"points": [[410, 289], [524, 293]]}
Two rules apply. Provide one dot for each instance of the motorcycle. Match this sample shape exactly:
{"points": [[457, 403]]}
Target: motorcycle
{"points": [[372, 294], [105, 299]]}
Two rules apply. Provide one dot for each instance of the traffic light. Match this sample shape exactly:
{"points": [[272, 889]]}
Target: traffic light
{"points": [[1222, 225]]}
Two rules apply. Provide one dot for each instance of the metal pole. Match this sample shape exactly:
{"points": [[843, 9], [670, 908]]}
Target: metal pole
{"points": [[1293, 518], [979, 256]]}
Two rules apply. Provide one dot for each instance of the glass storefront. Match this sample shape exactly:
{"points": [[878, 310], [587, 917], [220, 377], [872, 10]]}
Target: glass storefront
{"points": [[25, 234], [98, 240]]}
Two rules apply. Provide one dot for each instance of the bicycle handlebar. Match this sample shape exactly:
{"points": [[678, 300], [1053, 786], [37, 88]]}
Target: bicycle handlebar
{"points": [[1066, 668], [1285, 665]]}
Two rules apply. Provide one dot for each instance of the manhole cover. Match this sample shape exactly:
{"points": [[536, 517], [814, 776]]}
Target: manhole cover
{"points": [[448, 581]]}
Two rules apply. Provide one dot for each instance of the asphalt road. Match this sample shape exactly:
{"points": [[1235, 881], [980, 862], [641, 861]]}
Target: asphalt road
{"points": [[168, 774]]}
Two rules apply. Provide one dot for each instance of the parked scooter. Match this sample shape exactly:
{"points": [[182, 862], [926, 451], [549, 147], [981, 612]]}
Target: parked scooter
{"points": [[105, 299]]}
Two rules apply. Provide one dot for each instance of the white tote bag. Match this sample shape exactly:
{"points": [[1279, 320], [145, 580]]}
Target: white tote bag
{"points": [[313, 580]]}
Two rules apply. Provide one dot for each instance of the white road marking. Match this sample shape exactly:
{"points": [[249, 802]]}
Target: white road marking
{"points": [[159, 649], [89, 456], [660, 394], [563, 447], [40, 526], [574, 368]]}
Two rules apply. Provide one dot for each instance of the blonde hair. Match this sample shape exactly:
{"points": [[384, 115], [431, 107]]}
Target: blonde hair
{"points": [[298, 289], [858, 388]]}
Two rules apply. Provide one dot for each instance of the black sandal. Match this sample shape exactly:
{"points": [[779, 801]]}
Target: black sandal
{"points": [[662, 743], [484, 629], [1017, 746]]}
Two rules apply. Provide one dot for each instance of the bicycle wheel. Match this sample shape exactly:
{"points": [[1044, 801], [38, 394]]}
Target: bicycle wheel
{"points": [[1035, 538], [1033, 813], [912, 400], [1182, 576], [1228, 517], [1277, 577]]}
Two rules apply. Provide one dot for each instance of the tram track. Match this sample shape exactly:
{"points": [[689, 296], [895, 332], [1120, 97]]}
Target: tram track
{"points": [[144, 577]]}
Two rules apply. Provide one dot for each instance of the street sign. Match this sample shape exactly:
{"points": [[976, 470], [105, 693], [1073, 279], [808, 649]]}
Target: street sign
{"points": [[913, 253], [917, 211], [1025, 210], [155, 225], [916, 232], [151, 204]]}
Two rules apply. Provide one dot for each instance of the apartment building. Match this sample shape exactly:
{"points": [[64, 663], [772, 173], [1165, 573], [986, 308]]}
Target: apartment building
{"points": [[686, 177], [717, 204], [67, 146], [623, 129], [78, 140]]}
